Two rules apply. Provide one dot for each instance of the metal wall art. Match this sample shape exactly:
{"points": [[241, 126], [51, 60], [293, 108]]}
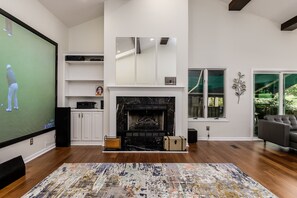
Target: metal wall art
{"points": [[239, 86]]}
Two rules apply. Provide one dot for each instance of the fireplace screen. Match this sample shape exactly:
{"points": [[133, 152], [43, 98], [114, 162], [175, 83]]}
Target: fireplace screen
{"points": [[149, 120]]}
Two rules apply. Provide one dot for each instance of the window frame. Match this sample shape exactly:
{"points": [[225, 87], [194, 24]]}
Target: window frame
{"points": [[281, 74], [206, 97]]}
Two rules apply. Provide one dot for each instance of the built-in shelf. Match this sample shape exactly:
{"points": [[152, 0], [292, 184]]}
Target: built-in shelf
{"points": [[84, 73], [84, 96], [85, 62], [86, 110], [85, 80], [83, 76]]}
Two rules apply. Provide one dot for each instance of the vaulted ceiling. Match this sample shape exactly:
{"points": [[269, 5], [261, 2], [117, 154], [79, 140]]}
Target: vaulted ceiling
{"points": [[74, 12], [283, 12], [278, 11]]}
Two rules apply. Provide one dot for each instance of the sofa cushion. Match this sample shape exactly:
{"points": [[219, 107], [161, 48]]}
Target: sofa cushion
{"points": [[286, 119], [273, 118], [293, 121]]}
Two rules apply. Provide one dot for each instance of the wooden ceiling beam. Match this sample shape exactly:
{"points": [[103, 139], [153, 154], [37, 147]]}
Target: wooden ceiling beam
{"points": [[138, 47], [237, 5], [290, 24], [164, 40]]}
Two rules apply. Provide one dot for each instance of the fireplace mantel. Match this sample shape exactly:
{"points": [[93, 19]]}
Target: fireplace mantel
{"points": [[117, 87], [175, 91]]}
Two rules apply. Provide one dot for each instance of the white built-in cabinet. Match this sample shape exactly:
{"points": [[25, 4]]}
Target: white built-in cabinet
{"points": [[83, 74], [86, 127]]}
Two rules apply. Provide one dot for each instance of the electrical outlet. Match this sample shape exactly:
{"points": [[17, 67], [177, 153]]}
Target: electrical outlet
{"points": [[31, 141], [207, 128]]}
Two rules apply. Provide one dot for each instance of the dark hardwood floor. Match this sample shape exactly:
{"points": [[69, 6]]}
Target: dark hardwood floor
{"points": [[273, 167]]}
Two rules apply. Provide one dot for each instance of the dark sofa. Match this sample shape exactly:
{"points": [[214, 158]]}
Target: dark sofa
{"points": [[279, 129]]}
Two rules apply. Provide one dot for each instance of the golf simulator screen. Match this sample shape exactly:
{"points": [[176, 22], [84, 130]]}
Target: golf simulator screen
{"points": [[27, 81]]}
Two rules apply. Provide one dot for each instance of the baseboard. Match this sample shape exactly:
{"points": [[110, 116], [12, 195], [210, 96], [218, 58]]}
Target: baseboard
{"points": [[87, 143], [226, 139], [39, 153], [183, 152]]}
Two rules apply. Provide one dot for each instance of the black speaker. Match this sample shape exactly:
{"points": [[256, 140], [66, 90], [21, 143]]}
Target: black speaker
{"points": [[102, 104], [192, 135], [63, 123], [11, 170]]}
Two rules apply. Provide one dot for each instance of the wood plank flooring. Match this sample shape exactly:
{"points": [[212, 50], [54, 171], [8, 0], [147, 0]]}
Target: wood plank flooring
{"points": [[273, 167]]}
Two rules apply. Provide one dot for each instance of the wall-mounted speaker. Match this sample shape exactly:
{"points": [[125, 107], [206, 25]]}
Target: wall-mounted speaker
{"points": [[63, 123]]}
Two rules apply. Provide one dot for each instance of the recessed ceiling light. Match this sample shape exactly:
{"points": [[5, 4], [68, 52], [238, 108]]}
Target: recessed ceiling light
{"points": [[152, 39]]}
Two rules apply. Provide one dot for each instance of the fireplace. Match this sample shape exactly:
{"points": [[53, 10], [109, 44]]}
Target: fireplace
{"points": [[142, 122], [146, 117]]}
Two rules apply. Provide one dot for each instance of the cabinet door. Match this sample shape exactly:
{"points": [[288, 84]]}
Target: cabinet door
{"points": [[97, 132], [75, 126], [86, 128]]}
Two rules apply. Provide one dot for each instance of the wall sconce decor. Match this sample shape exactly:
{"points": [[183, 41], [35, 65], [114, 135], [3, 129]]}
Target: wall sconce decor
{"points": [[239, 86]]}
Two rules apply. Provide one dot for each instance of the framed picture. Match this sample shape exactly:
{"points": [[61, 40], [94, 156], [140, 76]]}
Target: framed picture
{"points": [[99, 90]]}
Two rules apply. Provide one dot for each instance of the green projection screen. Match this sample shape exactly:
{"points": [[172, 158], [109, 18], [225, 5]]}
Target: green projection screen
{"points": [[28, 88]]}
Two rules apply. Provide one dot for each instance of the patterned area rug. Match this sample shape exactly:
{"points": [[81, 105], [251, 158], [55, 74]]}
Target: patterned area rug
{"points": [[148, 180]]}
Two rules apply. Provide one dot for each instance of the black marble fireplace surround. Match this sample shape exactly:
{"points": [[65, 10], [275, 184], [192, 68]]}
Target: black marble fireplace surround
{"points": [[142, 122]]}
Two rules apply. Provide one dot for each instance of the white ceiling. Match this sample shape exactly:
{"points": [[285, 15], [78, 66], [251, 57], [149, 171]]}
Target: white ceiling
{"points": [[74, 12]]}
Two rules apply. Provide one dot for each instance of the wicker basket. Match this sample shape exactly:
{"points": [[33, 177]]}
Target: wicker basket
{"points": [[112, 142]]}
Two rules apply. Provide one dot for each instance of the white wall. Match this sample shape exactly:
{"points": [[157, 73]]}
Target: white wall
{"points": [[87, 37], [145, 18], [238, 41], [35, 15]]}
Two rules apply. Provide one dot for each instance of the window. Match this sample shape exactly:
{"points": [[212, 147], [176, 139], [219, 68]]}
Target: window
{"points": [[206, 89], [266, 97], [290, 94], [275, 93]]}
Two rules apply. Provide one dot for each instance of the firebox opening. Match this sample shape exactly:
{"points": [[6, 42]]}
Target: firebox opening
{"points": [[148, 119]]}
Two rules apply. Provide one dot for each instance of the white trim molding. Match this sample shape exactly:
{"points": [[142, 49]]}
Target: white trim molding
{"points": [[148, 91], [39, 153], [227, 139]]}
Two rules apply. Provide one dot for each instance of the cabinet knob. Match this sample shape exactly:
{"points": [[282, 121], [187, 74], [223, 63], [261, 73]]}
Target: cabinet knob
{"points": [[79, 115]]}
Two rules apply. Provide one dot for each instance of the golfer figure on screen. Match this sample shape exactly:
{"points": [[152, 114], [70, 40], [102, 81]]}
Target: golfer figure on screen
{"points": [[12, 89]]}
